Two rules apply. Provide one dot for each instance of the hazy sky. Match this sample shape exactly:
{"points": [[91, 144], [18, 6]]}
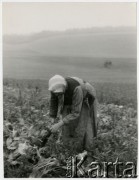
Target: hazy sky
{"points": [[21, 18]]}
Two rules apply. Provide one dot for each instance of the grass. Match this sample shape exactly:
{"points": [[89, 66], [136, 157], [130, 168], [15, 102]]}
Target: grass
{"points": [[88, 68]]}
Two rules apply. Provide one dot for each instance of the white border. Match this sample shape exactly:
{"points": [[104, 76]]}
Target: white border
{"points": [[69, 1], [1, 71], [1, 98], [137, 9]]}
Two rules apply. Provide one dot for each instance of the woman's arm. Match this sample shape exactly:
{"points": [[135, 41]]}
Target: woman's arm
{"points": [[53, 105]]}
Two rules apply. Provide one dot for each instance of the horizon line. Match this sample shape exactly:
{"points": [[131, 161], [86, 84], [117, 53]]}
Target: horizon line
{"points": [[67, 30]]}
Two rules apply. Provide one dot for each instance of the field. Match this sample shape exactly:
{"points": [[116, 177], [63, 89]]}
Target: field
{"points": [[28, 63], [80, 53], [26, 103]]}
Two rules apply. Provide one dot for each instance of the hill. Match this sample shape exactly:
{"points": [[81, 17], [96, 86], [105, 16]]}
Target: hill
{"points": [[73, 52]]}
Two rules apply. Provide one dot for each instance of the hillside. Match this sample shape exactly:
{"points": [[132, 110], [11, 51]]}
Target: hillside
{"points": [[78, 52]]}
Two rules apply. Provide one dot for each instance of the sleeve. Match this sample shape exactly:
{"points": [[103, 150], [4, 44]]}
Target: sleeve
{"points": [[53, 105], [77, 101]]}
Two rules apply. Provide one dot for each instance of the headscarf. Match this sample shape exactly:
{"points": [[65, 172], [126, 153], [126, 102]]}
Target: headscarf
{"points": [[57, 84]]}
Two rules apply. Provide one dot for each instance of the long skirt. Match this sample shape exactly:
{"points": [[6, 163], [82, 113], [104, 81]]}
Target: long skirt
{"points": [[79, 134]]}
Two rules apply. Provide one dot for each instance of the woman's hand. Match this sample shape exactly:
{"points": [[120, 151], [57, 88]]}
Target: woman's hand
{"points": [[56, 126]]}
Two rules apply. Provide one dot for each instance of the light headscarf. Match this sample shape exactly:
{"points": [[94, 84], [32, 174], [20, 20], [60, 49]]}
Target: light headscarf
{"points": [[57, 84]]}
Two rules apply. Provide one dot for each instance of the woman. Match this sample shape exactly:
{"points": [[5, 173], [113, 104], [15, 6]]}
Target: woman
{"points": [[73, 101]]}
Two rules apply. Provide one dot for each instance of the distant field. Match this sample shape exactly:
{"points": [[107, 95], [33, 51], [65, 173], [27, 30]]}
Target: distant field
{"points": [[78, 53], [88, 68], [109, 44]]}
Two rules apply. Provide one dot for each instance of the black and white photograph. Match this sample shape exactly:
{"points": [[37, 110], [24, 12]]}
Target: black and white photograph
{"points": [[69, 89]]}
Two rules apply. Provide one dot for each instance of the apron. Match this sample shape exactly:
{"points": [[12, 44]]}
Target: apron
{"points": [[78, 135]]}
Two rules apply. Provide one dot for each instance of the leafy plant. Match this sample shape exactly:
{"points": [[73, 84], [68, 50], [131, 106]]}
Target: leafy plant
{"points": [[30, 151]]}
